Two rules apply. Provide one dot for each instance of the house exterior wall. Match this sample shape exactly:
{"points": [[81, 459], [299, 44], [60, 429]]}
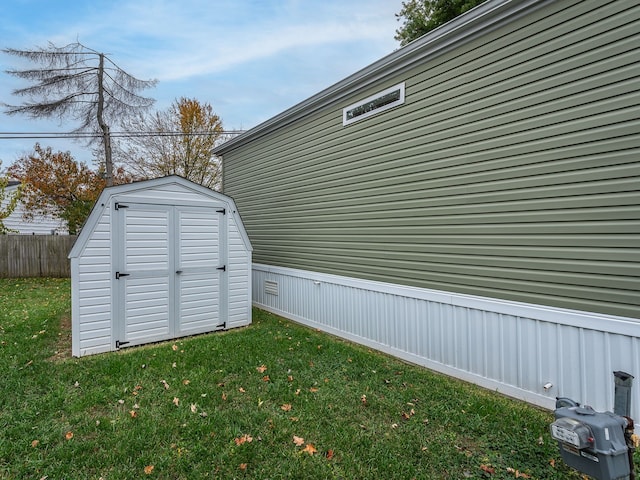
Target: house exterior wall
{"points": [[489, 226], [95, 256], [40, 225], [511, 170]]}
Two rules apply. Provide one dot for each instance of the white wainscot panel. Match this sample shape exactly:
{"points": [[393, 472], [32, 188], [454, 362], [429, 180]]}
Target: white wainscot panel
{"points": [[530, 352]]}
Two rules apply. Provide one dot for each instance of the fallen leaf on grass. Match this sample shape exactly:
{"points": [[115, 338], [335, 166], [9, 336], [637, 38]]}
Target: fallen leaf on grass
{"points": [[68, 435], [133, 414], [266, 378], [363, 399], [313, 389], [186, 382], [243, 439], [224, 396], [310, 449], [286, 407], [517, 473], [35, 443], [174, 347], [261, 368], [164, 384], [148, 469], [242, 390], [330, 454], [290, 378], [299, 441], [552, 462], [176, 401], [488, 469], [242, 466], [194, 408]]}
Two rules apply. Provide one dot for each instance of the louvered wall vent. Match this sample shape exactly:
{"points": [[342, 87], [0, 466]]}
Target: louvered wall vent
{"points": [[271, 287]]}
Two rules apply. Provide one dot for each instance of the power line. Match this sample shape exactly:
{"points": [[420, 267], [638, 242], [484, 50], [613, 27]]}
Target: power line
{"points": [[88, 135]]}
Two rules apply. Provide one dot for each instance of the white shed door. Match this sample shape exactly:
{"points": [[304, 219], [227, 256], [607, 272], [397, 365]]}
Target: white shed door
{"points": [[169, 276], [198, 264]]}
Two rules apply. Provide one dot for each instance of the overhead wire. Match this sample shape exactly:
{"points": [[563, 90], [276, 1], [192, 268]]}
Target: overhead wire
{"points": [[88, 135]]}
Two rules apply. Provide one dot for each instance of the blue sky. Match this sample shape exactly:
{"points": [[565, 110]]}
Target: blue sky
{"points": [[250, 59]]}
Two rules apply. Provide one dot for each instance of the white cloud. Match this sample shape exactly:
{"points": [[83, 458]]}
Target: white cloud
{"points": [[176, 40], [250, 58]]}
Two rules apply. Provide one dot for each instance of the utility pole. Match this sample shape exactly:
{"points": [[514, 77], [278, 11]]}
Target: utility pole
{"points": [[106, 136]]}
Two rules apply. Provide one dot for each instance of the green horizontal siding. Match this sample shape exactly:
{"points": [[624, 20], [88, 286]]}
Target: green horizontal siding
{"points": [[511, 171]]}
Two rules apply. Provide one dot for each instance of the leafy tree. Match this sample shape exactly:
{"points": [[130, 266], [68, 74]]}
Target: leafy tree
{"points": [[8, 203], [55, 184], [421, 16], [84, 84], [179, 140]]}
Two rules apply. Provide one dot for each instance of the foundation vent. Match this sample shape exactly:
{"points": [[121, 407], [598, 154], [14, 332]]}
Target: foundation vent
{"points": [[271, 287]]}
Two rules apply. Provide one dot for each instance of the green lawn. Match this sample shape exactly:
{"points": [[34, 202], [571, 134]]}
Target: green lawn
{"points": [[273, 400]]}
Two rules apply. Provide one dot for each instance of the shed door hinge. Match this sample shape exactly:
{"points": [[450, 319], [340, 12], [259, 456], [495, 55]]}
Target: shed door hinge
{"points": [[119, 343], [118, 206], [223, 211], [118, 275], [223, 268]]}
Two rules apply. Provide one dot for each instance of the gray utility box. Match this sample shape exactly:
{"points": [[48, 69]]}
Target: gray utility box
{"points": [[592, 442]]}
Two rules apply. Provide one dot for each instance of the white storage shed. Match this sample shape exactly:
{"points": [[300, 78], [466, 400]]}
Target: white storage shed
{"points": [[156, 260]]}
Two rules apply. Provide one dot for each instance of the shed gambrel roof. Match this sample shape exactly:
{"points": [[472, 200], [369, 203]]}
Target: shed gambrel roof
{"points": [[462, 29], [107, 193]]}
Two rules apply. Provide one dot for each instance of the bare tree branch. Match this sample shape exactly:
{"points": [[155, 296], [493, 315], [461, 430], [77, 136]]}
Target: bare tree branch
{"points": [[83, 84]]}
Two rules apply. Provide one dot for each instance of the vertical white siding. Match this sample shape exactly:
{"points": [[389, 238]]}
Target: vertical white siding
{"points": [[514, 348]]}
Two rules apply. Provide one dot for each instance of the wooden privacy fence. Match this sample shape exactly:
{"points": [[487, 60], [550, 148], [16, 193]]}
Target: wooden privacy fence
{"points": [[35, 255]]}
